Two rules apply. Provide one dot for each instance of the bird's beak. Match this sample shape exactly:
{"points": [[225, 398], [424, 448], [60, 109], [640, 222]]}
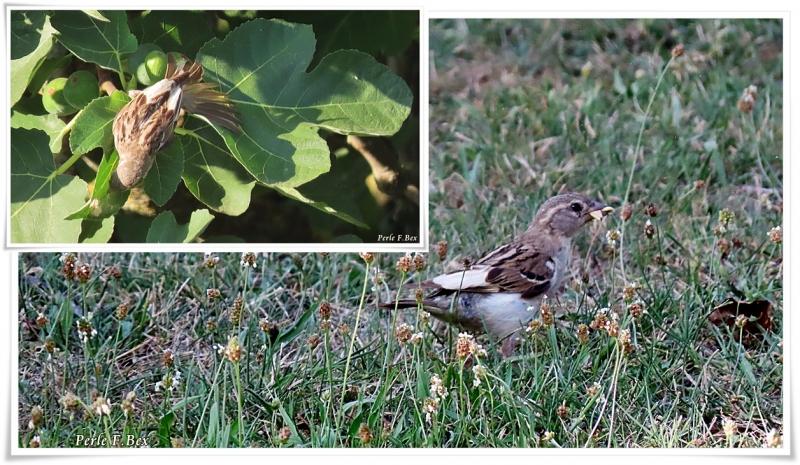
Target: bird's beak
{"points": [[599, 210]]}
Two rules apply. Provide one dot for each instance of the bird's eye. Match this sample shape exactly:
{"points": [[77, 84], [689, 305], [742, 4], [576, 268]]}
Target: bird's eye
{"points": [[576, 207]]}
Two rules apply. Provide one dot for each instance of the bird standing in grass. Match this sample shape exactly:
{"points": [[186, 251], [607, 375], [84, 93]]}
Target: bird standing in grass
{"points": [[145, 126], [503, 290]]}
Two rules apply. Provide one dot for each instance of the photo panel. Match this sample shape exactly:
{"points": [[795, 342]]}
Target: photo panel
{"points": [[153, 350], [602, 268], [661, 325], [237, 126]]}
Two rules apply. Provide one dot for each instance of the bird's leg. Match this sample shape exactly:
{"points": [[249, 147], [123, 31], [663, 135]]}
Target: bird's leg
{"points": [[509, 345]]}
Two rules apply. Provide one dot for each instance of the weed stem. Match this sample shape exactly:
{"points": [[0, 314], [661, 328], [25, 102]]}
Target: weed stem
{"points": [[633, 161], [352, 343]]}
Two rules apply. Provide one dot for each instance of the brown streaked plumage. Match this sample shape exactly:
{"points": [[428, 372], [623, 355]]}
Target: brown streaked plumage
{"points": [[495, 294], [145, 126]]}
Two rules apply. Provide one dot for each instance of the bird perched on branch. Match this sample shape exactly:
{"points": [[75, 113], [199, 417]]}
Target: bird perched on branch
{"points": [[502, 291], [146, 125]]}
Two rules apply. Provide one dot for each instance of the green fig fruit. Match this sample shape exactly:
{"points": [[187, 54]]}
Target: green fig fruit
{"points": [[136, 62], [81, 88], [53, 98], [156, 65]]}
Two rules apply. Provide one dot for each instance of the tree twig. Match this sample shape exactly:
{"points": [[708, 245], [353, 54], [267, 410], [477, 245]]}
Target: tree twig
{"points": [[105, 81], [391, 179]]}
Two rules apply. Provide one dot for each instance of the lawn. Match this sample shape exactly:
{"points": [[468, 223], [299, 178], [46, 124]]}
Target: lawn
{"points": [[524, 109], [642, 353]]}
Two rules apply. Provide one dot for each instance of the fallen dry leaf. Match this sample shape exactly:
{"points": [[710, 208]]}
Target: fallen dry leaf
{"points": [[454, 187], [757, 312]]}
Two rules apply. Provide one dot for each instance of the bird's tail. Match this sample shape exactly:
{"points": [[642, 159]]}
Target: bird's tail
{"points": [[214, 105], [401, 304], [199, 98], [182, 71]]}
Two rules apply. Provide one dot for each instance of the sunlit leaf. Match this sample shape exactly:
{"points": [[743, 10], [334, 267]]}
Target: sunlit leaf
{"points": [[262, 63], [41, 198], [96, 15], [210, 172], [96, 231], [23, 67], [92, 127], [51, 124], [102, 204]]}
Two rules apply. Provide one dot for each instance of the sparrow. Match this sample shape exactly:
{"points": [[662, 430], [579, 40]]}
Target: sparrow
{"points": [[145, 126], [503, 290]]}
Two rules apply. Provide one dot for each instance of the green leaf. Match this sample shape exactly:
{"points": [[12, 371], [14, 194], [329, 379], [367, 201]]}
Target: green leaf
{"points": [[332, 193], [347, 239], [93, 126], [210, 172], [30, 105], [110, 204], [166, 230], [64, 320], [94, 40], [213, 425], [26, 31], [39, 196], [102, 204], [131, 227], [176, 31], [104, 172], [355, 425], [287, 420], [51, 124], [747, 370], [96, 231], [96, 15], [292, 333], [184, 402], [23, 68], [46, 68], [164, 176], [233, 432], [164, 427], [387, 32], [262, 63]]}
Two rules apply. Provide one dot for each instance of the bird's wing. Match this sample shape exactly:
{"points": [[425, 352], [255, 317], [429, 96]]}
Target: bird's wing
{"points": [[517, 267], [521, 267], [148, 119]]}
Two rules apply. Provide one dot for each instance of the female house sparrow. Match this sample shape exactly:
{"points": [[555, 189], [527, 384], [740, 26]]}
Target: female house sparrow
{"points": [[146, 125], [494, 295]]}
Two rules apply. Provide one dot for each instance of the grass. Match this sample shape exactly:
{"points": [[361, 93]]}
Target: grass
{"points": [[522, 110], [517, 116]]}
